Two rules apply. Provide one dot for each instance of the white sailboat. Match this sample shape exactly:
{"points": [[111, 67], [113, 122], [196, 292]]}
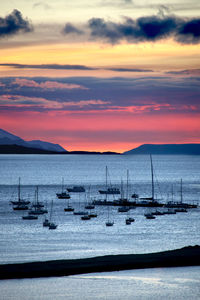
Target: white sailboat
{"points": [[51, 224]]}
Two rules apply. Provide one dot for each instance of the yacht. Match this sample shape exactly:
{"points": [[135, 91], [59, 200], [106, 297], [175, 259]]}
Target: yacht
{"points": [[63, 195], [20, 201]]}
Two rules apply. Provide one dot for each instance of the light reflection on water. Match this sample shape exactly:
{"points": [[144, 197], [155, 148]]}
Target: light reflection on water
{"points": [[166, 283]]}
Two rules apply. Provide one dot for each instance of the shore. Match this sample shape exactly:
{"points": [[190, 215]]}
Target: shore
{"points": [[187, 256]]}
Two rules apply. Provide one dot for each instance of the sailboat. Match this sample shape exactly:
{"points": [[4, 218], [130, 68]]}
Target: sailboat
{"points": [[109, 223], [180, 204], [51, 224], [89, 205], [80, 212], [36, 208], [69, 208], [29, 217], [109, 190], [63, 195], [150, 201], [20, 203]]}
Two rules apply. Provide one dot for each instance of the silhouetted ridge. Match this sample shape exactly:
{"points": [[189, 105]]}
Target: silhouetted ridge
{"points": [[171, 149]]}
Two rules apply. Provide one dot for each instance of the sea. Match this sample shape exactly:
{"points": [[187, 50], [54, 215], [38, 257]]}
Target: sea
{"points": [[27, 240]]}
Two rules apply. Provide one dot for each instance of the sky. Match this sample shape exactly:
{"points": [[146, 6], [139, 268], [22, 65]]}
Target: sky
{"points": [[101, 75]]}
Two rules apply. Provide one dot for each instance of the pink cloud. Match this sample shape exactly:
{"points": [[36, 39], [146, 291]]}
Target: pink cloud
{"points": [[16, 101], [47, 84]]}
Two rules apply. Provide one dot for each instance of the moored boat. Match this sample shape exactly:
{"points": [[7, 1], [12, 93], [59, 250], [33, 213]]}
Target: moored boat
{"points": [[29, 217], [76, 189]]}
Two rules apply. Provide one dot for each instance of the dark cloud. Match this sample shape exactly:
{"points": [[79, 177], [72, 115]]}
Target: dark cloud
{"points": [[128, 70], [13, 24], [69, 28], [49, 66], [149, 28], [189, 32], [71, 67], [143, 29], [185, 72]]}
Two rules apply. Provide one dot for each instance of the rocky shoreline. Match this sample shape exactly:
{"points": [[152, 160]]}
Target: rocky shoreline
{"points": [[187, 256]]}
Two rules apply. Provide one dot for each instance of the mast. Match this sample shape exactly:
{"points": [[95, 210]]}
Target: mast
{"points": [[181, 192], [36, 195], [152, 178], [122, 190], [62, 184], [19, 196], [127, 184], [106, 181]]}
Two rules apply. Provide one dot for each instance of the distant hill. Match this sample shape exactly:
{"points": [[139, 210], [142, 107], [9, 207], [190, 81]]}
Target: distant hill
{"points": [[6, 138], [17, 149], [165, 149]]}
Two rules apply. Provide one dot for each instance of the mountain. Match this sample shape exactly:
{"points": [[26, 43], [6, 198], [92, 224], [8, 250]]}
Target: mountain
{"points": [[172, 149], [17, 149], [7, 138], [46, 146]]}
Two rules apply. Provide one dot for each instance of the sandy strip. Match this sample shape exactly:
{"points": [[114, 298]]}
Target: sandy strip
{"points": [[187, 256]]}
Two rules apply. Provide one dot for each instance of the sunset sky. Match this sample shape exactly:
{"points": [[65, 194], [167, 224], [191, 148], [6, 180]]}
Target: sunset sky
{"points": [[101, 75]]}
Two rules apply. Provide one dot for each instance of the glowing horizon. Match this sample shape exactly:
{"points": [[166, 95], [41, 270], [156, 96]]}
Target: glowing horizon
{"points": [[92, 80]]}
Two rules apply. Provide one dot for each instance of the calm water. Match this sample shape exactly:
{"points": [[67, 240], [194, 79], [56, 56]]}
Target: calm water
{"points": [[148, 284], [23, 240]]}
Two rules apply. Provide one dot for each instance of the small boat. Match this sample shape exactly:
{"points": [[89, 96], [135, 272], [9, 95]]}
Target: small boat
{"points": [[157, 213], [68, 208], [20, 207], [135, 196], [130, 219], [80, 213], [46, 223], [123, 209], [89, 206], [169, 212], [36, 207], [63, 195], [51, 224], [181, 210], [128, 222], [109, 223], [76, 189], [20, 201], [149, 216], [110, 191], [86, 217], [30, 217], [92, 215]]}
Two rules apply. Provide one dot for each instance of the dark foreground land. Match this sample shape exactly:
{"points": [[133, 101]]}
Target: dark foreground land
{"points": [[187, 256]]}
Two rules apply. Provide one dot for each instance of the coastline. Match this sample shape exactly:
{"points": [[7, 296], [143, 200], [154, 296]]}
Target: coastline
{"points": [[187, 256]]}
